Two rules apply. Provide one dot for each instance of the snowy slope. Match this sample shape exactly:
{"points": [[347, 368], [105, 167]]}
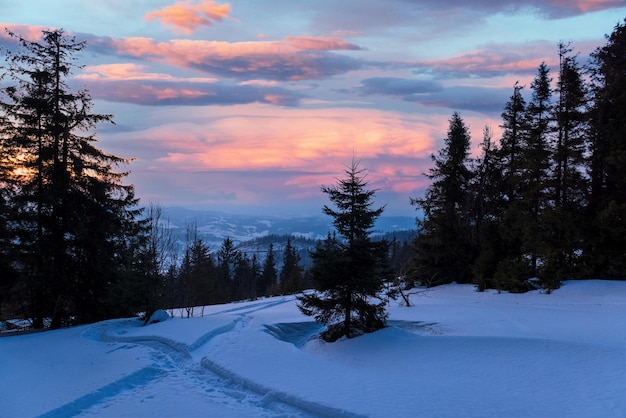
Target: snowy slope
{"points": [[455, 353]]}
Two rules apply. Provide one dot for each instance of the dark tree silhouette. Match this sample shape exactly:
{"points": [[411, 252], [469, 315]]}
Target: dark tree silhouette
{"points": [[349, 273], [443, 246], [606, 249], [291, 274], [76, 219]]}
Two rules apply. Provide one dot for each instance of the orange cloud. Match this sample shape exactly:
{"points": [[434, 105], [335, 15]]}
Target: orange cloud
{"points": [[186, 17]]}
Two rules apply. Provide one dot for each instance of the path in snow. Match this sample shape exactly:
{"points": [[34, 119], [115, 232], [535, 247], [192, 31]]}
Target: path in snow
{"points": [[183, 366]]}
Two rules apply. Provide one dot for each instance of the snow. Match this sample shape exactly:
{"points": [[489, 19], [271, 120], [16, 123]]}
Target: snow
{"points": [[158, 316], [456, 352]]}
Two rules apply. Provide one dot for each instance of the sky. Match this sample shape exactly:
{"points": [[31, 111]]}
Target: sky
{"points": [[251, 106]]}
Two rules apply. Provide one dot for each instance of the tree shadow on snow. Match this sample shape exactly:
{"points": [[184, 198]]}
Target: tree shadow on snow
{"points": [[299, 333], [296, 333]]}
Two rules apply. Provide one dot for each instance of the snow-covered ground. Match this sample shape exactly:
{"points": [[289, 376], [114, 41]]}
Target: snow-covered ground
{"points": [[456, 353]]}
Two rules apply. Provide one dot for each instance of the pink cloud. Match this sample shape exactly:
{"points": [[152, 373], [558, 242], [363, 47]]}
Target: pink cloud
{"points": [[147, 94], [29, 32], [157, 91], [494, 60], [130, 71], [258, 83], [309, 147], [290, 59], [186, 17], [586, 6], [250, 154], [320, 43]]}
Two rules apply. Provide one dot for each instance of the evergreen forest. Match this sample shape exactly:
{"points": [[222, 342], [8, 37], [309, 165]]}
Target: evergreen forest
{"points": [[545, 201]]}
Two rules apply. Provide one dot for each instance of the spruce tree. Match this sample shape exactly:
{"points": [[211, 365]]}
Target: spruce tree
{"points": [[349, 273], [255, 275], [565, 217], [514, 266], [488, 204], [76, 217], [7, 183], [444, 248], [534, 169], [246, 274], [606, 249], [513, 128], [571, 117], [291, 274], [196, 275], [267, 284], [144, 288], [227, 256]]}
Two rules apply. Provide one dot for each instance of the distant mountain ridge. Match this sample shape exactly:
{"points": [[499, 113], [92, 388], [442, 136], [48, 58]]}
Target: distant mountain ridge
{"points": [[214, 226]]}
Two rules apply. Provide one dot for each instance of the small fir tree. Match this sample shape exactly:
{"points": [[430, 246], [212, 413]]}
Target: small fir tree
{"points": [[268, 281], [291, 275], [349, 273], [227, 256]]}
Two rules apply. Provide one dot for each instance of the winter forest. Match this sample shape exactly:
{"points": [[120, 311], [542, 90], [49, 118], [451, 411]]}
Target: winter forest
{"points": [[543, 203]]}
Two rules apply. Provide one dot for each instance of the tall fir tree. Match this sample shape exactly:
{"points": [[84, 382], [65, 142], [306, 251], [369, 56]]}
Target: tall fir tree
{"points": [[571, 117], [349, 274], [488, 204], [564, 219], [534, 169], [513, 129], [605, 252], [513, 267], [76, 217], [445, 246], [8, 167]]}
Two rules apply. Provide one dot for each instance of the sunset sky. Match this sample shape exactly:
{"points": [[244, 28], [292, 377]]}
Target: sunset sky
{"points": [[251, 106]]}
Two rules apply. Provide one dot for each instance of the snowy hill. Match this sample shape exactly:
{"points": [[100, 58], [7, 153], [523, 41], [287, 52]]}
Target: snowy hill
{"points": [[457, 353]]}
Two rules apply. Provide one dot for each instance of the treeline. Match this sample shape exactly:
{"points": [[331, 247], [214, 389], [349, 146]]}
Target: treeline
{"points": [[548, 200], [260, 246], [201, 275], [205, 277], [400, 246]]}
